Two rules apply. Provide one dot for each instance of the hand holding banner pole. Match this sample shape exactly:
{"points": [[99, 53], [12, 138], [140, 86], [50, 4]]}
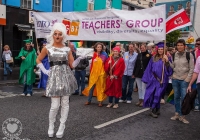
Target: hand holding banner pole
{"points": [[110, 58], [163, 68]]}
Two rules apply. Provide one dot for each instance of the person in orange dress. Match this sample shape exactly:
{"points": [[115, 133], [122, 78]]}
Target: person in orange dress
{"points": [[97, 80]]}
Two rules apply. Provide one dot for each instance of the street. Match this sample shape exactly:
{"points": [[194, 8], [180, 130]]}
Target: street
{"points": [[128, 122]]}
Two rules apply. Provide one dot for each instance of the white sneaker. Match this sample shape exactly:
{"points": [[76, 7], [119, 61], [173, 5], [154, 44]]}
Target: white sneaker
{"points": [[28, 95], [128, 102], [122, 101], [196, 109], [22, 94]]}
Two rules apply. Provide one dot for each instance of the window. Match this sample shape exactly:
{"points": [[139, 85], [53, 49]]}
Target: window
{"points": [[26, 4], [56, 6]]}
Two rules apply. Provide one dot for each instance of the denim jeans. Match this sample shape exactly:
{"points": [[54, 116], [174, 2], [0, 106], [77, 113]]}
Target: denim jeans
{"points": [[27, 88], [91, 93], [141, 88], [180, 89], [80, 78], [127, 80], [111, 100], [6, 68]]}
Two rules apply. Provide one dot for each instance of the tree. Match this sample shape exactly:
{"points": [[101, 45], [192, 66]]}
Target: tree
{"points": [[173, 36]]}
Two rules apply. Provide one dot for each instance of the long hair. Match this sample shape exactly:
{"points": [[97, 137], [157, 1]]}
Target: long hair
{"points": [[6, 46], [60, 27], [95, 46], [164, 52]]}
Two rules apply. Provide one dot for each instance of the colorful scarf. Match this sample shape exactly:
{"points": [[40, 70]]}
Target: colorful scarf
{"points": [[103, 57]]}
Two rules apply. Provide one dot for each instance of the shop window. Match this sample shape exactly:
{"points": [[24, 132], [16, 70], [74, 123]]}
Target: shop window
{"points": [[26, 4], [56, 6]]}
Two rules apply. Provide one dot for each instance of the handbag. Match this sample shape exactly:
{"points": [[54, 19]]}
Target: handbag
{"points": [[188, 102], [10, 61]]}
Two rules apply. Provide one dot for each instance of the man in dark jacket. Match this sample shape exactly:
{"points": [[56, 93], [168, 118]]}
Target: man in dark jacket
{"points": [[80, 73]]}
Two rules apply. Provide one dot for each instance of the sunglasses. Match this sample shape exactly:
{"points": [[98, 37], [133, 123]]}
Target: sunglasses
{"points": [[197, 44]]}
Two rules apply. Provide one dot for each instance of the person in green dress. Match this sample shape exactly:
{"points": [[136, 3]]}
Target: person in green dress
{"points": [[27, 68]]}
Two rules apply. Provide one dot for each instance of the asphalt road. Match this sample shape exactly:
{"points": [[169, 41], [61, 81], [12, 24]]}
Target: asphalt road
{"points": [[83, 120]]}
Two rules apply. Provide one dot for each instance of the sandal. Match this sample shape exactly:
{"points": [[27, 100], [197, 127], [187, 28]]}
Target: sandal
{"points": [[109, 105], [87, 103], [115, 106]]}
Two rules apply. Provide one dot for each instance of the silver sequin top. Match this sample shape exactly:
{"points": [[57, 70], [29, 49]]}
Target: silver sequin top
{"points": [[61, 81]]}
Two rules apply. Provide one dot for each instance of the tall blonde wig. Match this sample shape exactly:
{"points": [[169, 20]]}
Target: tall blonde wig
{"points": [[59, 27]]}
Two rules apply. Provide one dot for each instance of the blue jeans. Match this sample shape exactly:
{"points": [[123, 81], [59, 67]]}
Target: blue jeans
{"points": [[180, 90], [80, 78], [27, 88], [127, 80], [91, 93], [111, 100], [6, 68]]}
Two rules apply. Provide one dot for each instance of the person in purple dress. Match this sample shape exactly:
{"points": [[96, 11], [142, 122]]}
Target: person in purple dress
{"points": [[153, 78]]}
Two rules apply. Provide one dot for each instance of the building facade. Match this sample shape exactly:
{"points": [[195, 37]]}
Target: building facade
{"points": [[19, 24]]}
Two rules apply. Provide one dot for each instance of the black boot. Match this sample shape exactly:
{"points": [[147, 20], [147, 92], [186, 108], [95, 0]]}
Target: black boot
{"points": [[153, 113], [157, 111]]}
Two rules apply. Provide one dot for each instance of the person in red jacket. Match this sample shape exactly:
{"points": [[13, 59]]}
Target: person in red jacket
{"points": [[114, 67]]}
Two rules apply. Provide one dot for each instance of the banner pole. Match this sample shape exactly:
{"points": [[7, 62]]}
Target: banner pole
{"points": [[37, 45], [163, 68], [110, 58]]}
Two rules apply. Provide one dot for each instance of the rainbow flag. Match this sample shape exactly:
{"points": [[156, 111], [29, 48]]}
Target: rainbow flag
{"points": [[77, 44], [170, 98]]}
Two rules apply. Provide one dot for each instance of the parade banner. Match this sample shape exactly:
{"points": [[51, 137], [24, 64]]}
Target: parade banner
{"points": [[106, 25]]}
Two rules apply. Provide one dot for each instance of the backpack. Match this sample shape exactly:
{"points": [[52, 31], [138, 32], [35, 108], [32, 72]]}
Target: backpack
{"points": [[82, 64], [187, 56]]}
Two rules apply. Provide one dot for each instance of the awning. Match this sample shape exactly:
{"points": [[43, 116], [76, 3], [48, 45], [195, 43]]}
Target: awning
{"points": [[23, 27]]}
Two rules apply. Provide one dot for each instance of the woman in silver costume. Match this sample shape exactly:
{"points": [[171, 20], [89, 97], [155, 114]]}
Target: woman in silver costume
{"points": [[61, 82]]}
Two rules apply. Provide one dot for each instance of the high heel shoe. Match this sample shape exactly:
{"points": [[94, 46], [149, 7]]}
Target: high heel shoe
{"points": [[60, 132], [51, 131]]}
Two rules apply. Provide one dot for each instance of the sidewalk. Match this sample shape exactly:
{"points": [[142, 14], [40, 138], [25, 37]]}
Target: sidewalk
{"points": [[9, 79]]}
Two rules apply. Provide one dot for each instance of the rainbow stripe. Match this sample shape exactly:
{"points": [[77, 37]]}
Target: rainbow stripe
{"points": [[170, 98]]}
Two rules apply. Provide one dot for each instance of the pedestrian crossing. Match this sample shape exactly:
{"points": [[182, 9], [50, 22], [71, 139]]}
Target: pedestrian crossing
{"points": [[11, 94], [6, 94]]}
